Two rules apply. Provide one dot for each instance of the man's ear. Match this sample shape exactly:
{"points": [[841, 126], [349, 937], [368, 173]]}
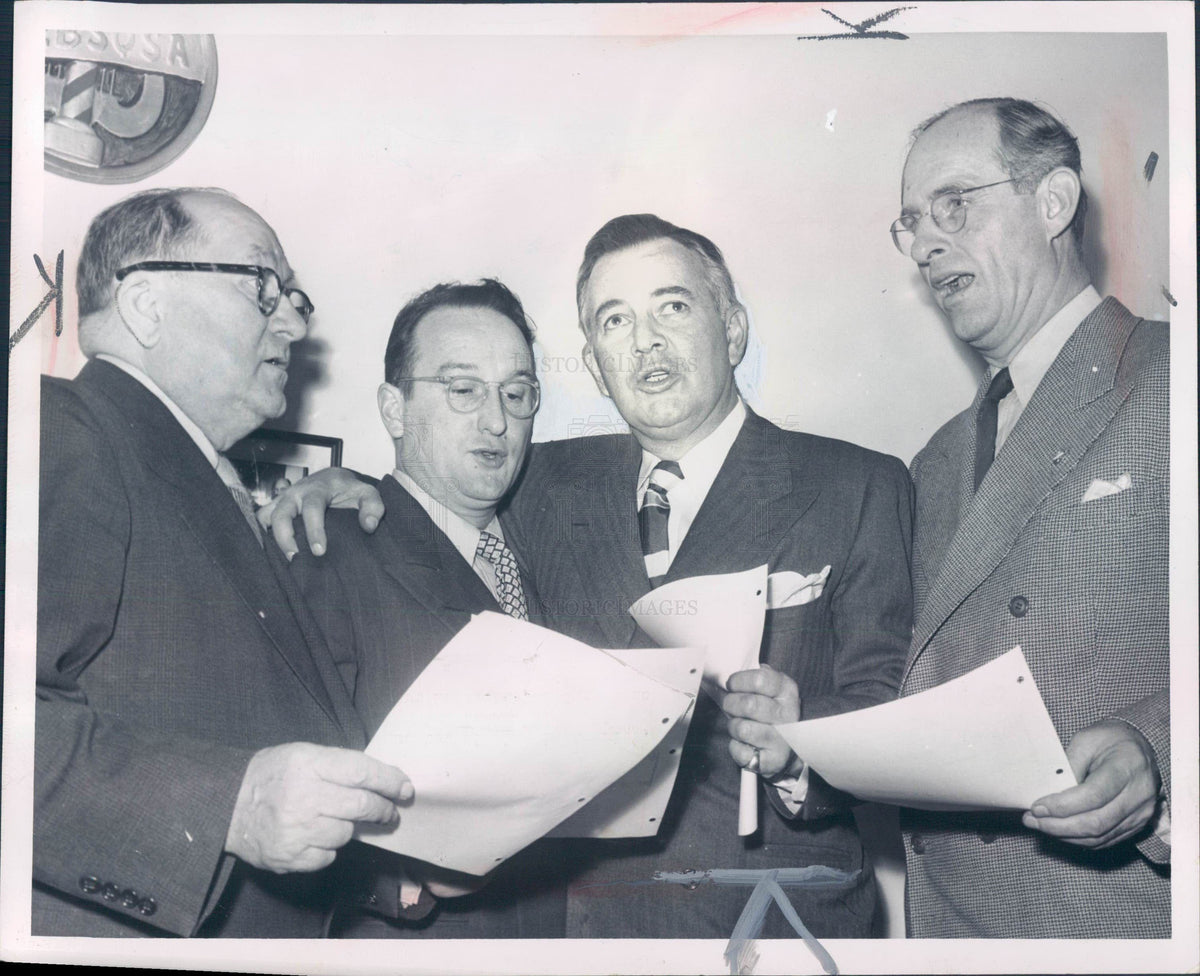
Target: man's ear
{"points": [[138, 303], [589, 359], [1058, 197], [391, 409], [737, 330]]}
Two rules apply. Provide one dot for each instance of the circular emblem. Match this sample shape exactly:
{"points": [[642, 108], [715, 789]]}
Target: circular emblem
{"points": [[122, 106]]}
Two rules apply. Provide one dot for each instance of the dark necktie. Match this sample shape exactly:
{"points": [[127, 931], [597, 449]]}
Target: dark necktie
{"points": [[653, 517], [985, 423], [508, 577], [228, 474]]}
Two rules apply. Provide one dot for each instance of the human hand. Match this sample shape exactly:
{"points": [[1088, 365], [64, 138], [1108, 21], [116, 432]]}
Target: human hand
{"points": [[299, 802], [758, 700], [1117, 792], [444, 883], [309, 497]]}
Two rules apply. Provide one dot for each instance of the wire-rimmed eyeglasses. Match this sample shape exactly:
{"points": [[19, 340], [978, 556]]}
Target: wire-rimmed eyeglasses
{"points": [[520, 398], [270, 287], [949, 213]]}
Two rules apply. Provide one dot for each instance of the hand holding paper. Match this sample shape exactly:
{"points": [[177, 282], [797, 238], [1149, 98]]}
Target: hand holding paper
{"points": [[758, 700]]}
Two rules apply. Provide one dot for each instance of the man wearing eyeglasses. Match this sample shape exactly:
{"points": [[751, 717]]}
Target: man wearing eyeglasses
{"points": [[197, 758], [458, 400], [664, 331], [1042, 521]]}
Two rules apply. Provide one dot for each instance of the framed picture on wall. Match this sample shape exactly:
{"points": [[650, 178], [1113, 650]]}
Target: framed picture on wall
{"points": [[270, 460]]}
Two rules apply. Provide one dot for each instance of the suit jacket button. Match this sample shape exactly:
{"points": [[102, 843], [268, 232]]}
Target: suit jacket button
{"points": [[1018, 606], [147, 906], [110, 892], [988, 838], [129, 898], [918, 844], [89, 885]]}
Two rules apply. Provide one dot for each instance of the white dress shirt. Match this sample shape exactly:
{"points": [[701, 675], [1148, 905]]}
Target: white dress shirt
{"points": [[700, 467], [1036, 357]]}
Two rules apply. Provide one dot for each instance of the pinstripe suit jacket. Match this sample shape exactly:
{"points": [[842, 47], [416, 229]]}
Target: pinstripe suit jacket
{"points": [[790, 500], [1082, 587], [171, 646]]}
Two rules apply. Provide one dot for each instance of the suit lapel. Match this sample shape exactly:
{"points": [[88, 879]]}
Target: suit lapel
{"points": [[607, 551], [193, 490], [422, 559], [1071, 407], [752, 504]]}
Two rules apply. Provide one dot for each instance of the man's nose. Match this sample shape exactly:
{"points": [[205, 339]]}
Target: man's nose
{"points": [[929, 240], [287, 321], [492, 417], [646, 334]]}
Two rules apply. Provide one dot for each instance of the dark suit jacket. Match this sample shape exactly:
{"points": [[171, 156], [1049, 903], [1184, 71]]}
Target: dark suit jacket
{"points": [[791, 500], [1082, 587], [171, 647], [387, 603]]}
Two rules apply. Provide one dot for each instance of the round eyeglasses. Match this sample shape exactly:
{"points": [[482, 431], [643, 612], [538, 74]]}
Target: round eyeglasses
{"points": [[270, 288], [520, 398], [948, 210]]}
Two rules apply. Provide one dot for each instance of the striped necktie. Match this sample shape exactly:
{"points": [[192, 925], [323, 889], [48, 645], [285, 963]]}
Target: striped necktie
{"points": [[985, 423], [228, 474], [508, 577], [653, 517]]}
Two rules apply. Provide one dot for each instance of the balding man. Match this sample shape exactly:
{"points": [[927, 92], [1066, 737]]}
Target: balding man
{"points": [[1042, 520], [195, 764]]}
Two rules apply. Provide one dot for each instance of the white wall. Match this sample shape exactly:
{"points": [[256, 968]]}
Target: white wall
{"points": [[389, 163]]}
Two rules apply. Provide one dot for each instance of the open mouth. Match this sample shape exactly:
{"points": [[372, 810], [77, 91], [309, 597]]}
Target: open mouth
{"points": [[278, 362], [655, 378], [952, 284], [489, 458]]}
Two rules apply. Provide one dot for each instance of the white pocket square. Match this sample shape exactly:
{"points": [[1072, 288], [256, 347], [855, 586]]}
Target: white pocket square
{"points": [[1102, 489], [789, 589]]}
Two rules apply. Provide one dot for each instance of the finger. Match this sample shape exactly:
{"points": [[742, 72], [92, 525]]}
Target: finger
{"points": [[282, 510], [355, 805], [1101, 787], [265, 512], [329, 833], [760, 708], [1096, 828], [346, 767], [755, 681], [370, 511], [313, 514], [774, 753]]}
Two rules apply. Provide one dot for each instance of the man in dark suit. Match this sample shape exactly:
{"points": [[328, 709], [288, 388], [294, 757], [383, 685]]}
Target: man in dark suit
{"points": [[458, 401], [1042, 520], [195, 765], [664, 332]]}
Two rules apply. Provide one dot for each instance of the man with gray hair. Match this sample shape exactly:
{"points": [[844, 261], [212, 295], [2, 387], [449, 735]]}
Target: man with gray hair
{"points": [[1041, 521], [196, 763]]}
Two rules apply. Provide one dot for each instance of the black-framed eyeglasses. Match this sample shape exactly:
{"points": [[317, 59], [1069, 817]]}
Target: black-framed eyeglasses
{"points": [[520, 398], [270, 287], [949, 213]]}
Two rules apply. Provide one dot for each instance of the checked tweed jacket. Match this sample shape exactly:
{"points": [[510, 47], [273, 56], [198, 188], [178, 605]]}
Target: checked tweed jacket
{"points": [[1082, 587]]}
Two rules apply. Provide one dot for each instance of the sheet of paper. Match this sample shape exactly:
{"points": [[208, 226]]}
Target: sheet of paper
{"points": [[511, 729], [634, 805], [982, 741], [723, 613]]}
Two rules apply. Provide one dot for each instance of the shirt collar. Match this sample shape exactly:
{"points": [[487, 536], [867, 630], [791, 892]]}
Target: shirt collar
{"points": [[194, 432], [702, 463], [461, 533], [1036, 356]]}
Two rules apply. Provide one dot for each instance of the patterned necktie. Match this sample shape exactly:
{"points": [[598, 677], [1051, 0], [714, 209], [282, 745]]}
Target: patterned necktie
{"points": [[508, 577], [985, 423], [228, 474], [652, 519]]}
